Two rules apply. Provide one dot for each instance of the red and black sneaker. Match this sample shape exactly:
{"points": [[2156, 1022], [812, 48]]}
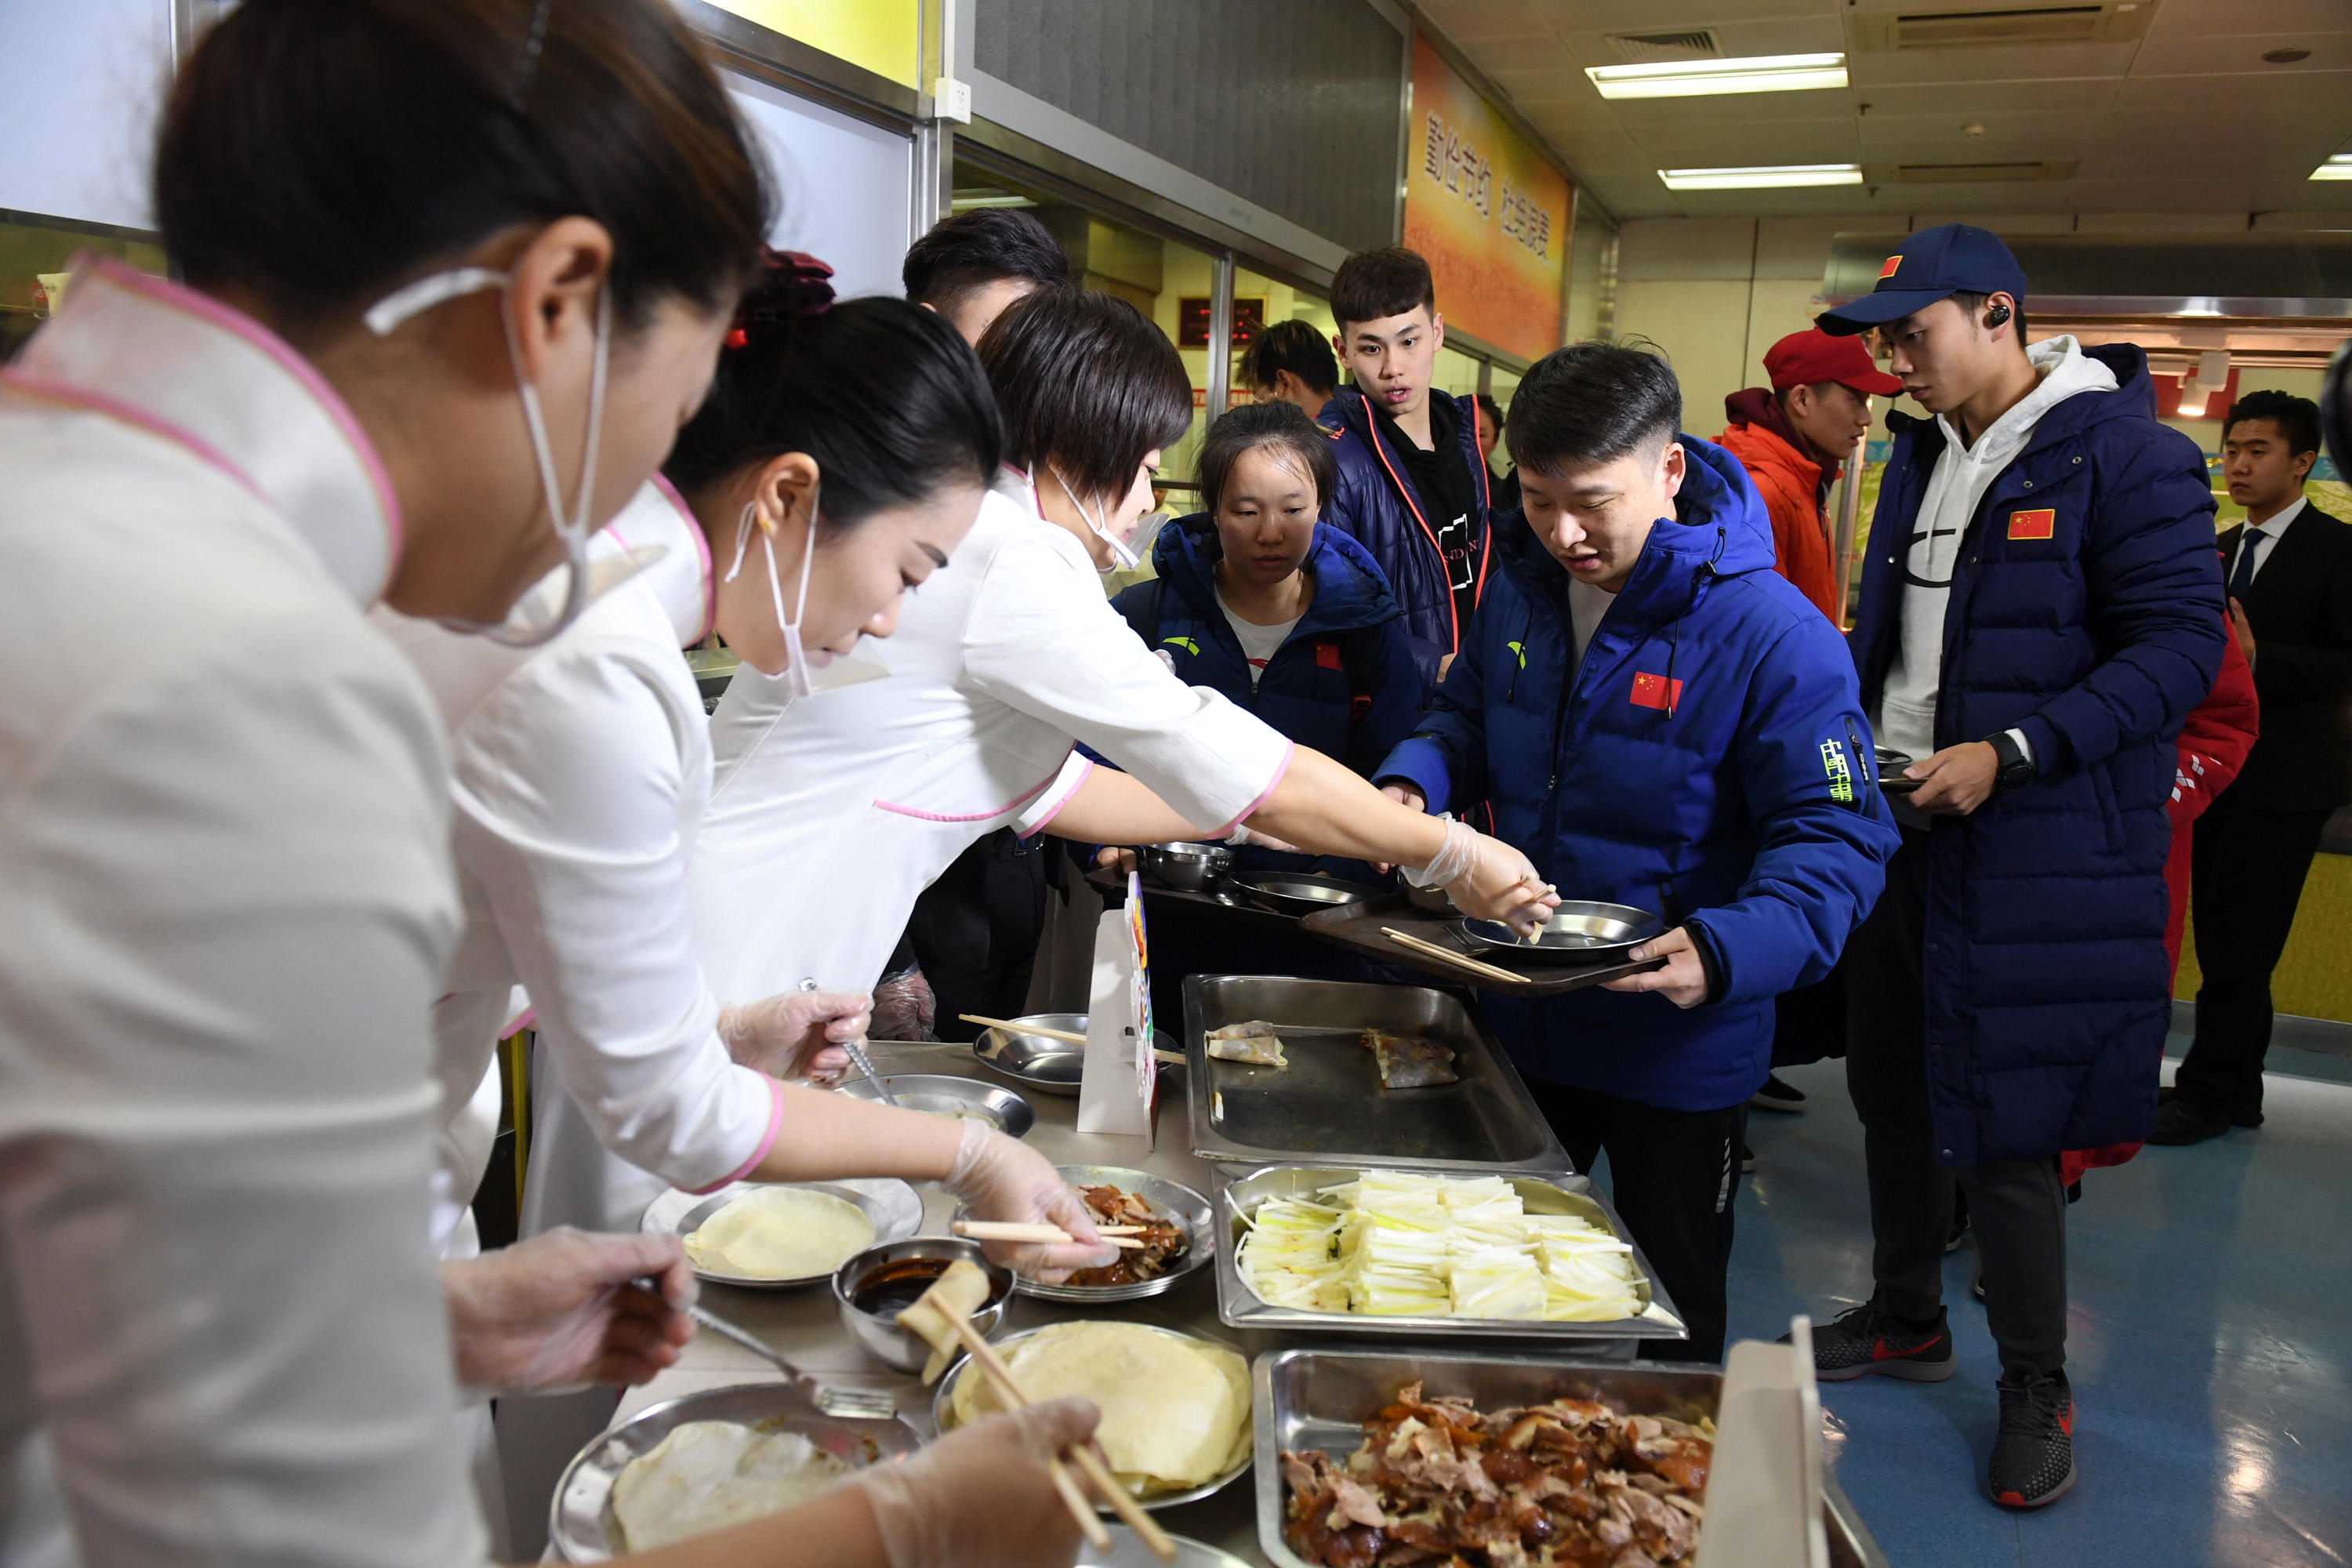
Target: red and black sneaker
{"points": [[1869, 1340], [2033, 1458]]}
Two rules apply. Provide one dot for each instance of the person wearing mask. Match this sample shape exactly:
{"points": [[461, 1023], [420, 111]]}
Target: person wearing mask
{"points": [[456, 274], [2040, 608], [1413, 474], [2289, 570], [1291, 363], [1004, 663]]}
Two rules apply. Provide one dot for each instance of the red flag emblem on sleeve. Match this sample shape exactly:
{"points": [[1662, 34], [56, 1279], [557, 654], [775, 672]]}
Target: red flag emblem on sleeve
{"points": [[1656, 691], [2043, 524], [1327, 655]]}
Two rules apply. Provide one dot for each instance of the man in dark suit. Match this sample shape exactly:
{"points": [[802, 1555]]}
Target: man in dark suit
{"points": [[2289, 570]]}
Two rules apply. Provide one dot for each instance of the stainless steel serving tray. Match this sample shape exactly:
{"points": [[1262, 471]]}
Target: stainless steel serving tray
{"points": [[1578, 929], [1320, 1399], [940, 1095], [580, 1519], [1238, 1194], [1127, 1551], [1300, 893], [1329, 1104], [896, 1209], [1036, 1061]]}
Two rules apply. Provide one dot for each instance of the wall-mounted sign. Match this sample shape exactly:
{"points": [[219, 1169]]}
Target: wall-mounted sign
{"points": [[1489, 213], [883, 36]]}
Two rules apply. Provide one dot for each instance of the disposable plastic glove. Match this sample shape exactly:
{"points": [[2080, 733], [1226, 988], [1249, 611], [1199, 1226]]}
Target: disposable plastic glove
{"points": [[558, 1311], [795, 1034], [980, 1497], [1486, 878], [1005, 1179]]}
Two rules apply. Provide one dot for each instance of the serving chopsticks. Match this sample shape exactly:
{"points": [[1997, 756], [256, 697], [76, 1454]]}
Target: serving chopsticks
{"points": [[1010, 1027], [1043, 1235], [1475, 966]]}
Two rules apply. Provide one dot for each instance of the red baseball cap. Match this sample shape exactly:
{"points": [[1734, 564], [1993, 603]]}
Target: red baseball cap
{"points": [[1812, 356]]}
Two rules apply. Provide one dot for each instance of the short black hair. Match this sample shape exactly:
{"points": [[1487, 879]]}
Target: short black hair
{"points": [[1374, 285], [958, 255], [1592, 403], [2298, 417], [1281, 427], [1970, 304], [1088, 385], [1295, 347], [1493, 411]]}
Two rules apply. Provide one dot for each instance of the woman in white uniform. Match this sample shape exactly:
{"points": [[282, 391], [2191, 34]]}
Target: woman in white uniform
{"points": [[999, 666], [225, 896]]}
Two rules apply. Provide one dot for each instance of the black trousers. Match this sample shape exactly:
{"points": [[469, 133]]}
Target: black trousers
{"points": [[2245, 876], [2017, 1209], [1673, 1174], [975, 930]]}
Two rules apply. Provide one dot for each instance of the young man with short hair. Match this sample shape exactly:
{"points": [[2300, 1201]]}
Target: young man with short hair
{"points": [[2289, 570], [1291, 363], [1656, 719], [2040, 608], [969, 268], [1413, 483]]}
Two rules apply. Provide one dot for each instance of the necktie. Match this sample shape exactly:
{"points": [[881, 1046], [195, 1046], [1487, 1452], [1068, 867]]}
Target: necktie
{"points": [[2242, 580]]}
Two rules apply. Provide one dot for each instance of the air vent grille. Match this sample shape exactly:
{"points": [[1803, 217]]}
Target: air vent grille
{"points": [[1967, 173], [1658, 48], [2009, 27]]}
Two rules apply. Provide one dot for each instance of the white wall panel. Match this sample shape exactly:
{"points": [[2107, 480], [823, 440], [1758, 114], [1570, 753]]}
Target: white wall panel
{"points": [[83, 82], [847, 186]]}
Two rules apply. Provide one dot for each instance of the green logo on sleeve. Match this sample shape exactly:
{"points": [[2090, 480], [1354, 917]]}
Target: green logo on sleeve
{"points": [[1187, 644], [1841, 776], [1521, 650]]}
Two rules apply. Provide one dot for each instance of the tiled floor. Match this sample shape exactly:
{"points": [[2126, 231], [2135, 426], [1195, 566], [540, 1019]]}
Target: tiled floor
{"points": [[2211, 1346]]}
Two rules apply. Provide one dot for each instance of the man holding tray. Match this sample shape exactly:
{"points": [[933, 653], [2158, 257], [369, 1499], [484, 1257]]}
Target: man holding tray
{"points": [[1659, 719]]}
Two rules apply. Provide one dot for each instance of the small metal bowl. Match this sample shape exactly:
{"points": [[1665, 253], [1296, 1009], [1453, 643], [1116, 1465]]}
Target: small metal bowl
{"points": [[964, 1098], [1578, 929], [1297, 895], [1036, 1061], [896, 1209], [1195, 867], [1172, 1200], [881, 1337]]}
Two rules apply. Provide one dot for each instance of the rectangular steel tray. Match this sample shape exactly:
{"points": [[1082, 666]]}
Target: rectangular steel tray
{"points": [[1329, 1104], [1358, 926], [1320, 1399], [1235, 1193]]}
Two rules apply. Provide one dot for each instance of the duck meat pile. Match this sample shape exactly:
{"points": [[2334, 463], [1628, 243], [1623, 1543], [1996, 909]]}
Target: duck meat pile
{"points": [[1164, 1243], [1549, 1486]]}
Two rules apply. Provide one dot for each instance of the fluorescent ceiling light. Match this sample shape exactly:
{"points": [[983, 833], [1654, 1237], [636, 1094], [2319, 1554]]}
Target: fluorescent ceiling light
{"points": [[1766, 177], [1700, 78], [2339, 167]]}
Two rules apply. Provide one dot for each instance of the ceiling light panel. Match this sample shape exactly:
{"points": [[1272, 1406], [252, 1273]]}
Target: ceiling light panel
{"points": [[2339, 167], [1705, 79], [1775, 176]]}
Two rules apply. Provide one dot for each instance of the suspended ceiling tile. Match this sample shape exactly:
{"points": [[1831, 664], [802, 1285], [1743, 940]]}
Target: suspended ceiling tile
{"points": [[1470, 23], [1975, 99], [2326, 94], [2215, 55], [1675, 15], [1762, 113], [2305, 19], [2023, 63]]}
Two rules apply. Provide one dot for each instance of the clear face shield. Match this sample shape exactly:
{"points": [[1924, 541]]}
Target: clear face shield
{"points": [[553, 603]]}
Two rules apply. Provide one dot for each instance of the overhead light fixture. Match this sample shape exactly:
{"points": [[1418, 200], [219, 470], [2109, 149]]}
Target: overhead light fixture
{"points": [[2193, 399], [2339, 167], [1768, 176], [1702, 78]]}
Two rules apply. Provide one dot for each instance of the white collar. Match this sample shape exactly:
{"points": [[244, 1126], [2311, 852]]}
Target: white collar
{"points": [[222, 387], [2275, 529]]}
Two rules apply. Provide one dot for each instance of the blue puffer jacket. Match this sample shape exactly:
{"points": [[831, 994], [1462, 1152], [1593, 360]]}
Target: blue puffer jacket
{"points": [[1709, 757], [2047, 992], [1376, 502]]}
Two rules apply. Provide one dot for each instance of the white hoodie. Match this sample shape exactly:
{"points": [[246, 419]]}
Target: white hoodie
{"points": [[1906, 717]]}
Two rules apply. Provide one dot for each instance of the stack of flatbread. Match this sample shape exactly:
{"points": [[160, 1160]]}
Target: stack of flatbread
{"points": [[708, 1475]]}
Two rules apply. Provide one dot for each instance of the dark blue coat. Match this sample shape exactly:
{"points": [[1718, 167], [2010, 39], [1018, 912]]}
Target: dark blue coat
{"points": [[1375, 502], [1747, 804], [2047, 994]]}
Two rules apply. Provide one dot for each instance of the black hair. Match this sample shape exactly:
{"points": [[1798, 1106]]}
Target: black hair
{"points": [[1970, 304], [319, 151], [1088, 385], [1493, 411], [958, 255], [1374, 285], [1295, 347], [2298, 417], [1592, 403], [885, 395], [1281, 427]]}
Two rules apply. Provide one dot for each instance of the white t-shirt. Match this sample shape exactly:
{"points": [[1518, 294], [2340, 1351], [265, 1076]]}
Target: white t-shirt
{"points": [[1587, 604], [1259, 643]]}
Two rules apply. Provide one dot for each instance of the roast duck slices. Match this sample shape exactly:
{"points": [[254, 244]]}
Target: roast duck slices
{"points": [[1551, 1485], [1406, 1061], [1164, 1243]]}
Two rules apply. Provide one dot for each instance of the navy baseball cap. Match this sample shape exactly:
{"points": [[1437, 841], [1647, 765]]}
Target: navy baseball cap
{"points": [[1933, 264]]}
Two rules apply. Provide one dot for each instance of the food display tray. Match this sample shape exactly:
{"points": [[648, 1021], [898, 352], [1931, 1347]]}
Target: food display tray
{"points": [[1321, 1398], [1238, 1193], [1357, 928], [1329, 1106]]}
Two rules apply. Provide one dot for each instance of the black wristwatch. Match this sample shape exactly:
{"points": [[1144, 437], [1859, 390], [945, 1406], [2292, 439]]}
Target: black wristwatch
{"points": [[2015, 768]]}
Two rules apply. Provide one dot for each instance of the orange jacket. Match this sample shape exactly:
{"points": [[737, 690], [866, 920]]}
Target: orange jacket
{"points": [[1790, 483]]}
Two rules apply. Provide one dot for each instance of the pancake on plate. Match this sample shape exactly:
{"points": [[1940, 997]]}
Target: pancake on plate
{"points": [[781, 1233], [708, 1475]]}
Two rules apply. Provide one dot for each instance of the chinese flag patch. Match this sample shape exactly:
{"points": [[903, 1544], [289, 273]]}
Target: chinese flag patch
{"points": [[2043, 524], [1655, 691], [1892, 263], [1327, 655]]}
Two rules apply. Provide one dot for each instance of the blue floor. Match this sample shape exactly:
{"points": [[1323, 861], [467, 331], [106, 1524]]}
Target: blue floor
{"points": [[2209, 1345]]}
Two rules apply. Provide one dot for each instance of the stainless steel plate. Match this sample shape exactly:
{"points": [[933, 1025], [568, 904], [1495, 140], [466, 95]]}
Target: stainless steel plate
{"points": [[1321, 1398], [1036, 1061], [1297, 895], [959, 1097], [580, 1521], [1327, 1106], [896, 1209], [1238, 1194], [943, 1415], [1578, 929], [1127, 1551], [1171, 1201]]}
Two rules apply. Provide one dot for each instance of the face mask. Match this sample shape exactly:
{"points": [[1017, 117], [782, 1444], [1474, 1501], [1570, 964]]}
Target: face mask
{"points": [[1124, 559], [797, 664], [531, 622]]}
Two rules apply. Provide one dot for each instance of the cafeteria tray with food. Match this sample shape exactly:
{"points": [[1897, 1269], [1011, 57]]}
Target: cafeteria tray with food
{"points": [[775, 1236], [1382, 1455], [1393, 930], [1337, 1249], [1346, 1072], [1169, 1225]]}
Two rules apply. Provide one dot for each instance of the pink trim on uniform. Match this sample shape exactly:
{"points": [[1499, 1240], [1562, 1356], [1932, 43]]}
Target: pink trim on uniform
{"points": [[1018, 801], [1071, 796], [99, 403], [1264, 796], [701, 548], [775, 1125], [174, 296]]}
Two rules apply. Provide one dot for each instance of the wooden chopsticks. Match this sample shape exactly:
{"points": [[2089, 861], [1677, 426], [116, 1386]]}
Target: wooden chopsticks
{"points": [[1009, 1026], [1405, 939], [1044, 1235]]}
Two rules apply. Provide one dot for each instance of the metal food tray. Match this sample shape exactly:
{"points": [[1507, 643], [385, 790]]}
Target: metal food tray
{"points": [[1321, 1398], [1223, 897], [1172, 1200], [1238, 1194], [1357, 928], [1329, 1106]]}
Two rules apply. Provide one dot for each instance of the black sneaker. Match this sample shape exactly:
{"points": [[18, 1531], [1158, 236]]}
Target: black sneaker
{"points": [[1777, 1096], [2033, 1458], [1868, 1339], [2179, 1123], [2241, 1116]]}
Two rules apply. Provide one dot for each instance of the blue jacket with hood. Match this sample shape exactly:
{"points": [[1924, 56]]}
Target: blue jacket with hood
{"points": [[1708, 761]]}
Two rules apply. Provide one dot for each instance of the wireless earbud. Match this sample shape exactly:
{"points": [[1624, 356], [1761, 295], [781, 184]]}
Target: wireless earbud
{"points": [[2000, 315]]}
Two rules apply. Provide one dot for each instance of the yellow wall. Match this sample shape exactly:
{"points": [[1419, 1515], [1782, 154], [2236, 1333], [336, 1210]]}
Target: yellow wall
{"points": [[883, 36], [2314, 979]]}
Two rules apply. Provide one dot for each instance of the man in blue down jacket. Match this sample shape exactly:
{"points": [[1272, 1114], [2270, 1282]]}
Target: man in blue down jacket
{"points": [[2040, 608], [1658, 718]]}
